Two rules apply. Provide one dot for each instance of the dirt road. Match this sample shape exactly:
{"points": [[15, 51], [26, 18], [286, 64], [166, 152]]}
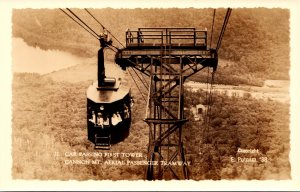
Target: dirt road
{"points": [[277, 90]]}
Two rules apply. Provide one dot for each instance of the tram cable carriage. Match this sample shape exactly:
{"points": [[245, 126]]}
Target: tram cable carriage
{"points": [[108, 106]]}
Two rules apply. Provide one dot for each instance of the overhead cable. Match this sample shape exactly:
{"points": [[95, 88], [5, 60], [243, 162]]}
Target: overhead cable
{"points": [[103, 26], [226, 19], [79, 23], [212, 28], [137, 86], [82, 22]]}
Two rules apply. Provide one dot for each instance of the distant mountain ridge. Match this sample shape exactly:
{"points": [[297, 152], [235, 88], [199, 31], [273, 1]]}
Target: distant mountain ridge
{"points": [[256, 40]]}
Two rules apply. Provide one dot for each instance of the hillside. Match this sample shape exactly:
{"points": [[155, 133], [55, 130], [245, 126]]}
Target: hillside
{"points": [[245, 123], [49, 118], [49, 123], [256, 40]]}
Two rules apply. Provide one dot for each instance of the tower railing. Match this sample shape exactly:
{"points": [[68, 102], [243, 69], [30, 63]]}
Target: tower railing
{"points": [[175, 37]]}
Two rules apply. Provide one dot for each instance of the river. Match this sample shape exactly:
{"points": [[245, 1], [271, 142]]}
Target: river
{"points": [[33, 59]]}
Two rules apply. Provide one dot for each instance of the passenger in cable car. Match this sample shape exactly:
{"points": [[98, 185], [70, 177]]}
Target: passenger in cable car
{"points": [[100, 119], [119, 116], [115, 119], [126, 112], [106, 121], [93, 118]]}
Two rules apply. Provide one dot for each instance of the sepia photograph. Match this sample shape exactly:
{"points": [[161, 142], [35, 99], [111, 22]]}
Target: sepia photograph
{"points": [[152, 94]]}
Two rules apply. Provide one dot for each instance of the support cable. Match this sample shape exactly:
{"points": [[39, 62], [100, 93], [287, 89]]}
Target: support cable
{"points": [[142, 74], [82, 21], [114, 47], [144, 83], [103, 26], [137, 86], [223, 28], [111, 49], [212, 28], [209, 98], [211, 93], [79, 23], [207, 81], [207, 102], [94, 18]]}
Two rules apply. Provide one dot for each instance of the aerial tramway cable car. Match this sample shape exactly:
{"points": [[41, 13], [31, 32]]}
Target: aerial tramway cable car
{"points": [[108, 106], [108, 101]]}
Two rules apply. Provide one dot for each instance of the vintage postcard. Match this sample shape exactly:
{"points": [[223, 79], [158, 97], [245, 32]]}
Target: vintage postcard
{"points": [[183, 96]]}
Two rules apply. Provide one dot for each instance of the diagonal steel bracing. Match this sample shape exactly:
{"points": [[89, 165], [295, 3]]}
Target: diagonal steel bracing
{"points": [[168, 64]]}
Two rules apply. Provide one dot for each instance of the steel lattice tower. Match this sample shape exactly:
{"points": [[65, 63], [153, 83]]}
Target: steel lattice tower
{"points": [[168, 56]]}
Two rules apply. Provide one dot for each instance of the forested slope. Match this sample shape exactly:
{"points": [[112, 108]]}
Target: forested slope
{"points": [[236, 122], [256, 42], [50, 117]]}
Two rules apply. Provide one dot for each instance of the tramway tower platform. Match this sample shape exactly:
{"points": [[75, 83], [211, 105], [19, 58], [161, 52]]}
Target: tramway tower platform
{"points": [[172, 45], [168, 56]]}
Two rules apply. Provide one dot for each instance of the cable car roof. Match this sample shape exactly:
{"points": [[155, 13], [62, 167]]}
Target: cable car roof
{"points": [[106, 95]]}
